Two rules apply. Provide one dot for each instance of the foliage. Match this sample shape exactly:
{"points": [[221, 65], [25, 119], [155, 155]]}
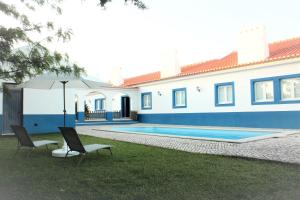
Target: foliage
{"points": [[141, 172], [34, 58], [87, 111], [137, 3]]}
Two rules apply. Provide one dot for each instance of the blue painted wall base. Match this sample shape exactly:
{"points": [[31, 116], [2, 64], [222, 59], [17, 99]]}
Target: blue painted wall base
{"points": [[1, 124], [276, 119], [109, 116], [81, 117], [101, 123], [46, 123]]}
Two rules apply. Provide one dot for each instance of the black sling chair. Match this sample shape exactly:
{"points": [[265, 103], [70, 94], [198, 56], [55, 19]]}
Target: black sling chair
{"points": [[73, 141], [25, 141]]}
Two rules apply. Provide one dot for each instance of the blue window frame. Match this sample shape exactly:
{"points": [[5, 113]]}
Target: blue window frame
{"points": [[286, 89], [146, 100], [224, 94], [179, 98], [263, 91], [99, 104], [289, 89]]}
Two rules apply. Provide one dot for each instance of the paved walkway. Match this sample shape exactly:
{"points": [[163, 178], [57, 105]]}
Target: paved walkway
{"points": [[285, 149]]}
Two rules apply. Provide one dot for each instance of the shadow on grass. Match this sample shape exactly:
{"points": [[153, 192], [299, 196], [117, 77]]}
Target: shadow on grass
{"points": [[141, 172]]}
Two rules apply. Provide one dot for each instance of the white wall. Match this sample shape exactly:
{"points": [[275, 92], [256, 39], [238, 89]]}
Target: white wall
{"points": [[116, 77], [252, 45], [170, 63], [90, 100], [116, 102], [204, 101], [37, 101]]}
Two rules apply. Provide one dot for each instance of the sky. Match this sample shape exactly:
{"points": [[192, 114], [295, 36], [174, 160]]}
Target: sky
{"points": [[137, 40]]}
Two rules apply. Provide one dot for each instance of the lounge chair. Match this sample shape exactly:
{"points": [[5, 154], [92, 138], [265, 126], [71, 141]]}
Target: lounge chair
{"points": [[25, 141], [74, 143]]}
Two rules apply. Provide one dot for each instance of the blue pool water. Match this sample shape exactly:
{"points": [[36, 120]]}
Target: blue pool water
{"points": [[195, 133]]}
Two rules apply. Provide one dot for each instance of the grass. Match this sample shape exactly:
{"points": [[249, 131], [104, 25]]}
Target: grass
{"points": [[141, 172]]}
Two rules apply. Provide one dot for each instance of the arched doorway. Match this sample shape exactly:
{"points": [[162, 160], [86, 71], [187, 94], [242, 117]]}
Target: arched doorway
{"points": [[95, 106]]}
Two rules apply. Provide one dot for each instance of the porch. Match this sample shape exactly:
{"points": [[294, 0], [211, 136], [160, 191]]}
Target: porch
{"points": [[107, 118], [106, 106]]}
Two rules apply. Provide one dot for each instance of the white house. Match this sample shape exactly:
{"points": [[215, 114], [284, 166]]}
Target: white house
{"points": [[41, 110], [256, 86]]}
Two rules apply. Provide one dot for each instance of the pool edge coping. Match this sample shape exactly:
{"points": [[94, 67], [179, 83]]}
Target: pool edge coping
{"points": [[279, 132]]}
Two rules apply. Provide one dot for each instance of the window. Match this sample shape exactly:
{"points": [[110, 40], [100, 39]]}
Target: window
{"points": [[179, 98], [99, 104], [224, 94], [290, 89], [264, 91], [146, 100], [276, 90]]}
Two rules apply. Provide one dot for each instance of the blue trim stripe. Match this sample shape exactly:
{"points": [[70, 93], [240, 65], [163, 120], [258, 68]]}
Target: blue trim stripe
{"points": [[109, 116], [277, 89], [276, 119], [99, 123], [252, 85], [142, 100], [174, 91], [81, 117], [1, 124], [101, 104], [217, 94], [46, 123]]}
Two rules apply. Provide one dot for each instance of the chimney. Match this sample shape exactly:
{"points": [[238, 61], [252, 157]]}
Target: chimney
{"points": [[170, 63], [116, 78], [252, 45]]}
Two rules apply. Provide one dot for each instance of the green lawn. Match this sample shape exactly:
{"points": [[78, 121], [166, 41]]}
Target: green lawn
{"points": [[141, 172]]}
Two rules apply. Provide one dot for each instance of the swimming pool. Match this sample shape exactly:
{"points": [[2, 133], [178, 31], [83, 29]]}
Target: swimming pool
{"points": [[214, 134]]}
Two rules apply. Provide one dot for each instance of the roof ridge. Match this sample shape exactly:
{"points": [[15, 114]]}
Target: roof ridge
{"points": [[295, 55], [206, 61], [235, 51], [199, 63], [285, 40], [280, 58], [282, 50]]}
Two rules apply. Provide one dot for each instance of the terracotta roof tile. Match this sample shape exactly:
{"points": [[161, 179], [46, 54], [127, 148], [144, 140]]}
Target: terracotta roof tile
{"points": [[278, 51], [142, 79], [228, 60], [284, 48]]}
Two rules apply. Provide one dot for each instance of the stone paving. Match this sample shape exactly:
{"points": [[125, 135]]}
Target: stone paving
{"points": [[283, 149]]}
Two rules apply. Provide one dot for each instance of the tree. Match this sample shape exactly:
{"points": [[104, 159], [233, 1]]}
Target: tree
{"points": [[137, 3], [34, 58]]}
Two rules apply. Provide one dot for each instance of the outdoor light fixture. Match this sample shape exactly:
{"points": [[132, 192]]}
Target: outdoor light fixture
{"points": [[198, 89], [159, 93]]}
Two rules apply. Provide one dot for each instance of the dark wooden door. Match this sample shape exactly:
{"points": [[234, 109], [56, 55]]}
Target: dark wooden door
{"points": [[12, 106], [125, 107]]}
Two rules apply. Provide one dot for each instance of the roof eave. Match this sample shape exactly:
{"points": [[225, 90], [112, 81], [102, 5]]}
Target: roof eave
{"points": [[279, 60]]}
